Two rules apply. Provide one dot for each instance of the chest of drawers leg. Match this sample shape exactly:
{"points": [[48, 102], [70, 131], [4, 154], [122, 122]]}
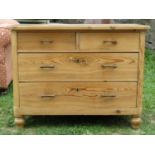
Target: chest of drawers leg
{"points": [[78, 70]]}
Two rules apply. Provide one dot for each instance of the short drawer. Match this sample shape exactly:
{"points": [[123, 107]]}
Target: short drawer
{"points": [[110, 41], [45, 41], [77, 97], [78, 67]]}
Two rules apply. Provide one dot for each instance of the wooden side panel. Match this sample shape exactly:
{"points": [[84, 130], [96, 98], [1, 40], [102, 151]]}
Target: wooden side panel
{"points": [[15, 71], [140, 69], [112, 41], [43, 41], [78, 97], [78, 67]]}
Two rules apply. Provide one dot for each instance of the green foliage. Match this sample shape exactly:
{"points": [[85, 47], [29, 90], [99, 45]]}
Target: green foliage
{"points": [[82, 125]]}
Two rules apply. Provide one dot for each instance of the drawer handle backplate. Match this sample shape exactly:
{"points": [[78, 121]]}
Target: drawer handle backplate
{"points": [[109, 66]]}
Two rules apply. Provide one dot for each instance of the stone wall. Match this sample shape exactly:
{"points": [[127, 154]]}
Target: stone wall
{"points": [[150, 37]]}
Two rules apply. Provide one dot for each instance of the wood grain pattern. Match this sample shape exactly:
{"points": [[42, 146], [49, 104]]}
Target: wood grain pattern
{"points": [[92, 27], [46, 40], [78, 96], [135, 121], [89, 111], [15, 71], [110, 41], [78, 67], [141, 70]]}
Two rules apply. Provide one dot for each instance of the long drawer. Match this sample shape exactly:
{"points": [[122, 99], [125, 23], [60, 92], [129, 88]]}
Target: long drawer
{"points": [[110, 41], [78, 67], [77, 97]]}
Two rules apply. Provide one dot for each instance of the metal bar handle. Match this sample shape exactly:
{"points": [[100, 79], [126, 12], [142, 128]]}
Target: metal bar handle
{"points": [[48, 96], [109, 66], [47, 66], [46, 41], [109, 42], [108, 95]]}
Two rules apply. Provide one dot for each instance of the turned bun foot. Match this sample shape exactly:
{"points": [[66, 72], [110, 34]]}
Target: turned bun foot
{"points": [[19, 121], [135, 122]]}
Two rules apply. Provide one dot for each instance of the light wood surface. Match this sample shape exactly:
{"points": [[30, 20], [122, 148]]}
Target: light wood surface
{"points": [[78, 96], [46, 41], [19, 121], [141, 70], [77, 50], [81, 27], [49, 41], [135, 121], [15, 72], [110, 41], [90, 111], [77, 67]]}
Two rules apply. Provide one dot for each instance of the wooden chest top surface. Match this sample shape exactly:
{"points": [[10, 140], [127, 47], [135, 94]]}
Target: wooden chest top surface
{"points": [[80, 27]]}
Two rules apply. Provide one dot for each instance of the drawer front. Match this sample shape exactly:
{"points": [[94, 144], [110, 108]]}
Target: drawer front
{"points": [[77, 97], [115, 42], [45, 41], [78, 67]]}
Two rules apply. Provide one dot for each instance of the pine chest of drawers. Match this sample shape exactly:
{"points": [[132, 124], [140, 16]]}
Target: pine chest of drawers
{"points": [[78, 70]]}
